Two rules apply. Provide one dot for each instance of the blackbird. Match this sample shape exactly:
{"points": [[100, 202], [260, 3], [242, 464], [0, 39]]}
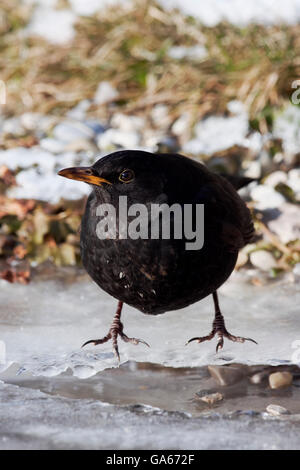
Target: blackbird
{"points": [[166, 271]]}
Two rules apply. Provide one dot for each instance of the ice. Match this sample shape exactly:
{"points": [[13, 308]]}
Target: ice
{"points": [[55, 395], [45, 323], [42, 421]]}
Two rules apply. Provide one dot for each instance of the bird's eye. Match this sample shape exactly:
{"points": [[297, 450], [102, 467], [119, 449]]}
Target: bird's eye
{"points": [[126, 176]]}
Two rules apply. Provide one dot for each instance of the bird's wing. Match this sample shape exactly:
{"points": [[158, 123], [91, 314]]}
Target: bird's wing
{"points": [[227, 212]]}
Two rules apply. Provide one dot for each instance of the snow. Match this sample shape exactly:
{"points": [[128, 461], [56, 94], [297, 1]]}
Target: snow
{"points": [[238, 12], [47, 21], [218, 133], [55, 26]]}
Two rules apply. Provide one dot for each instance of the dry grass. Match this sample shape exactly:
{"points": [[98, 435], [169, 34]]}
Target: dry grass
{"points": [[129, 47]]}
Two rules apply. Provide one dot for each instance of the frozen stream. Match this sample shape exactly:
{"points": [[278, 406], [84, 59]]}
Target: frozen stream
{"points": [[56, 395]]}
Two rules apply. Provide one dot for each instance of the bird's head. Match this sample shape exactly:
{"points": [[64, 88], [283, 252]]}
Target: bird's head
{"points": [[138, 174]]}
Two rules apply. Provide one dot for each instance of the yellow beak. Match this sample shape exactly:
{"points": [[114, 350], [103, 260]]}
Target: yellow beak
{"points": [[83, 173]]}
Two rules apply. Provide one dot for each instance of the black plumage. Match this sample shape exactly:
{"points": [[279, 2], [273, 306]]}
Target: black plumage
{"points": [[159, 275]]}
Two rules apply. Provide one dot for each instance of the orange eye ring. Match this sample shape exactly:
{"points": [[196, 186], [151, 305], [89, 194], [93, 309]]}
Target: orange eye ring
{"points": [[126, 176]]}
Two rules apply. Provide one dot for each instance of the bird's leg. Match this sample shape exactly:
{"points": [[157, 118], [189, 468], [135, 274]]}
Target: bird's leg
{"points": [[219, 329], [116, 330]]}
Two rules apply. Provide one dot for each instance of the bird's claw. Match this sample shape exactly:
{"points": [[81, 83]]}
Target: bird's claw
{"points": [[113, 334], [133, 340], [221, 335]]}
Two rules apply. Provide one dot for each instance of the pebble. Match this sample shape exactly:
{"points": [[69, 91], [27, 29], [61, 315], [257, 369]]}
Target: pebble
{"points": [[266, 197], [105, 93], [280, 379], [211, 398], [227, 375], [67, 131], [276, 410], [263, 260], [259, 377]]}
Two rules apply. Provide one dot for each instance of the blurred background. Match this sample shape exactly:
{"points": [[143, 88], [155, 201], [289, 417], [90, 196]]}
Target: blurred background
{"points": [[218, 82]]}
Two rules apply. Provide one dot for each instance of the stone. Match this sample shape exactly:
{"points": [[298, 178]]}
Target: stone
{"points": [[263, 260], [259, 377], [211, 398], [280, 379], [226, 375], [276, 410]]}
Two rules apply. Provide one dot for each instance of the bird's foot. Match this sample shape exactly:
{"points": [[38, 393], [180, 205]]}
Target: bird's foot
{"points": [[220, 331], [115, 330]]}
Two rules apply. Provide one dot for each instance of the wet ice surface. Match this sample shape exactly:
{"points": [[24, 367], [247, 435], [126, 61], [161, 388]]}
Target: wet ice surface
{"points": [[141, 406], [56, 395], [45, 323]]}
